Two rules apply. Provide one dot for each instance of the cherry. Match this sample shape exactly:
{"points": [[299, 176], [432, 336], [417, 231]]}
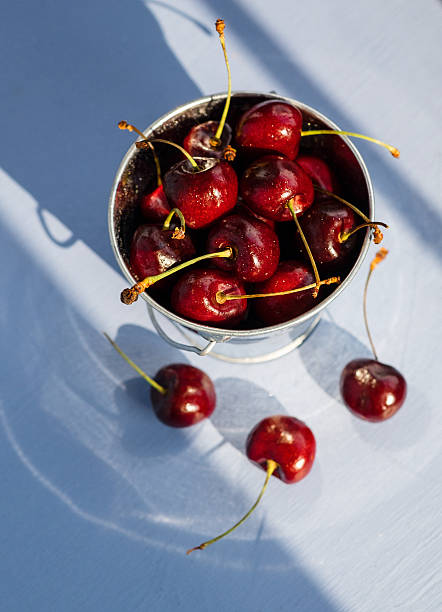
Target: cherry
{"points": [[318, 171], [154, 250], [181, 394], [271, 125], [255, 246], [154, 205], [277, 125], [285, 440], [324, 224], [210, 139], [282, 446], [281, 308], [202, 195], [195, 297], [372, 390], [198, 141], [270, 182]]}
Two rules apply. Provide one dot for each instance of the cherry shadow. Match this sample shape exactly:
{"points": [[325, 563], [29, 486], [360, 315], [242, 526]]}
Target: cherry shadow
{"points": [[326, 353]]}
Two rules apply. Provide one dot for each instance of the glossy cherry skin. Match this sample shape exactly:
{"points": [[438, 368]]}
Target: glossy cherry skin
{"points": [[197, 141], [281, 308], [272, 125], [194, 297], [202, 196], [255, 245], [190, 396], [154, 206], [372, 390], [153, 250], [285, 440], [318, 171], [322, 225], [270, 182]]}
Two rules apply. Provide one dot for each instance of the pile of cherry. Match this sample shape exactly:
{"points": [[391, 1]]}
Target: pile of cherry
{"points": [[236, 224]]}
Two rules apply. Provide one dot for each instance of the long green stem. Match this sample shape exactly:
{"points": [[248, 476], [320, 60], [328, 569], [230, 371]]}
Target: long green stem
{"points": [[290, 205], [395, 152], [145, 143], [271, 467], [221, 297], [130, 295], [380, 256], [150, 380], [220, 29]]}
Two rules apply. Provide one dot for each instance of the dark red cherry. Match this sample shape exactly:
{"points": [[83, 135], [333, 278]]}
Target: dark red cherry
{"points": [[372, 390], [153, 250], [198, 140], [285, 440], [323, 225], [195, 297], [272, 125], [204, 195], [255, 246], [283, 447], [190, 395], [181, 395], [281, 308], [271, 182], [318, 171], [154, 206]]}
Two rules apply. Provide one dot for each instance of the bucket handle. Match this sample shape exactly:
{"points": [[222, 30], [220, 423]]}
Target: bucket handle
{"points": [[184, 347]]}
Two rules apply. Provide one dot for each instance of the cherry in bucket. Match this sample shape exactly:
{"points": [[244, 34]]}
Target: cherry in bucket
{"points": [[276, 125], [181, 394], [372, 390], [282, 446]]}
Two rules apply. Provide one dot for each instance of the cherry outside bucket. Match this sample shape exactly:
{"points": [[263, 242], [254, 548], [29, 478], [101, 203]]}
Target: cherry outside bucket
{"points": [[133, 178]]}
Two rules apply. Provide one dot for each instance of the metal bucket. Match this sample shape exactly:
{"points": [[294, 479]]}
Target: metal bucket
{"points": [[133, 178]]}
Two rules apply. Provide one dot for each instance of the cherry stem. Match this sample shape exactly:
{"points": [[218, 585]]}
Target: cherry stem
{"points": [[380, 256], [150, 380], [130, 295], [343, 236], [271, 467], [123, 125], [215, 141], [309, 253], [395, 152], [146, 143], [221, 297], [179, 232]]}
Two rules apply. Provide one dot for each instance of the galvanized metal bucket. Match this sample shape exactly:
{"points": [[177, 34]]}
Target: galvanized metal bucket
{"points": [[233, 345]]}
